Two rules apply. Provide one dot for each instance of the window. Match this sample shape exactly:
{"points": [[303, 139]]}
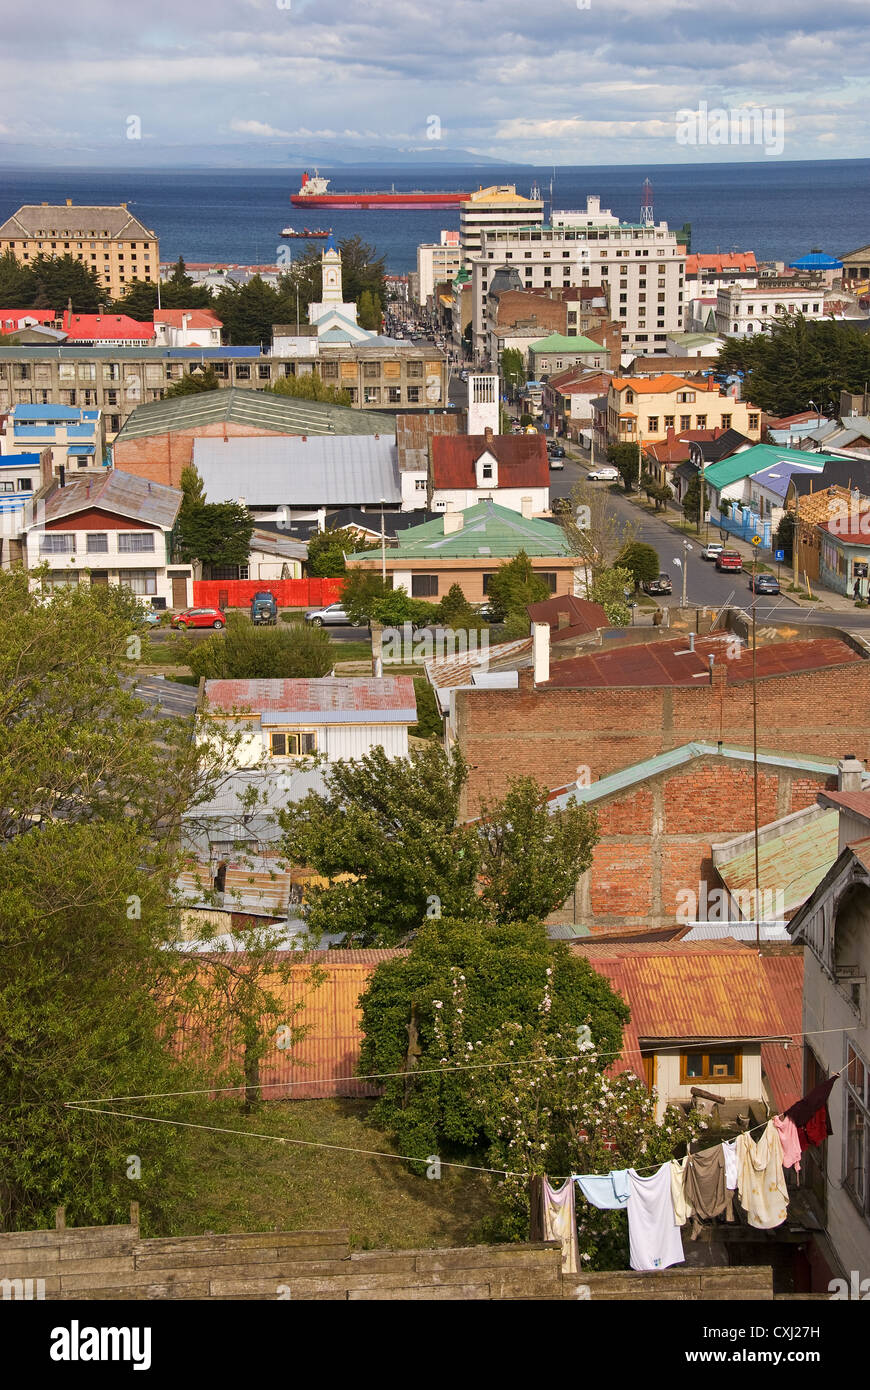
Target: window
{"points": [[25, 485], [297, 745], [685, 422], [424, 586], [413, 394], [652, 424], [669, 422], [701, 422], [54, 544], [856, 1177], [725, 1064], [726, 422], [132, 542], [549, 579], [140, 581], [753, 422], [264, 373], [419, 484], [243, 374], [394, 395], [372, 395], [98, 544], [685, 396], [414, 369], [372, 371]]}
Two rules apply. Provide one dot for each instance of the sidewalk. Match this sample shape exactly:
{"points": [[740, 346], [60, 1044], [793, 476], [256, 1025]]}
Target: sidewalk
{"points": [[828, 601]]}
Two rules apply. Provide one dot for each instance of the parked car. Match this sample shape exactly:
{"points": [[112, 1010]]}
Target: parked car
{"points": [[606, 473], [554, 449], [712, 551], [487, 612], [764, 584], [199, 617], [661, 585], [333, 616], [729, 560], [264, 609]]}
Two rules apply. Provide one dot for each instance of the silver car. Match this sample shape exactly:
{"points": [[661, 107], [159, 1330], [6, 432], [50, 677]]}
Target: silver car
{"points": [[333, 616]]}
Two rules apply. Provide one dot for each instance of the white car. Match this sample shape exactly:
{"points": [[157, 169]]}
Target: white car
{"points": [[712, 551], [605, 474], [333, 616]]}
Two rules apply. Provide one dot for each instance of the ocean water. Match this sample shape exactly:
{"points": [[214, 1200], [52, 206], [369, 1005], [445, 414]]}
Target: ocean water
{"points": [[778, 209]]}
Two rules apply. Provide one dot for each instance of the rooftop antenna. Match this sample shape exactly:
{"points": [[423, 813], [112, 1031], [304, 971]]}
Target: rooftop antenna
{"points": [[646, 205]]}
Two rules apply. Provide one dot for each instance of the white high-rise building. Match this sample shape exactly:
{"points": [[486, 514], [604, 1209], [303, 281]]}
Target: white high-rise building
{"points": [[437, 262], [490, 208]]}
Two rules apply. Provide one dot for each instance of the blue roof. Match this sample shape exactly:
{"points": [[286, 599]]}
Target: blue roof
{"points": [[775, 478], [45, 412], [19, 460], [329, 244], [816, 260], [216, 353], [80, 449]]}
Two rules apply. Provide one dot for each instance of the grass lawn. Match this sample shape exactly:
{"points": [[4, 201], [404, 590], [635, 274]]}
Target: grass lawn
{"points": [[351, 651], [256, 1185]]}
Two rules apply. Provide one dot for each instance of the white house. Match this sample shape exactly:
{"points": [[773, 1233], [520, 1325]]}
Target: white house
{"points": [[741, 312], [283, 721], [510, 469], [186, 328], [112, 529]]}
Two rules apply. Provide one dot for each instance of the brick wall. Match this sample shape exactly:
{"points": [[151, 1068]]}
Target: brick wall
{"points": [[161, 457], [657, 839]]}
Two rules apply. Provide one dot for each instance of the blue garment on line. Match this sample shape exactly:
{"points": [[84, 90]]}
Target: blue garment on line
{"points": [[607, 1192]]}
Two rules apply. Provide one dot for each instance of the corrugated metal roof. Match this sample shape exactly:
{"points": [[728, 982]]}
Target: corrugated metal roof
{"points": [[354, 695], [522, 459], [859, 802], [123, 493], [783, 1065], [345, 470], [487, 529], [262, 409], [451, 672], [671, 662], [793, 862], [749, 461]]}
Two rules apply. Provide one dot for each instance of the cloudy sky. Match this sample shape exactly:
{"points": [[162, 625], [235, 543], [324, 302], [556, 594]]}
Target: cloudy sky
{"points": [[552, 81]]}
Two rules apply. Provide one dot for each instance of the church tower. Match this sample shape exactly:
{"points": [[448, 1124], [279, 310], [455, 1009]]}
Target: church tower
{"points": [[330, 270]]}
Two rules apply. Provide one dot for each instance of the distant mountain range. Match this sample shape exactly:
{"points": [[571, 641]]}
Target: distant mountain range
{"points": [[251, 154]]}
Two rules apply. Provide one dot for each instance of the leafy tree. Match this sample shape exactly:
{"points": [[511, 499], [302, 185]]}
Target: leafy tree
{"points": [[362, 590], [626, 458], [594, 528], [327, 549], [472, 977], [249, 311], [192, 488], [310, 386], [456, 612], [180, 292], [513, 369], [216, 533], [369, 312], [17, 285], [396, 607], [398, 818], [784, 537], [193, 383], [139, 300], [692, 510], [608, 588], [429, 723], [245, 652], [641, 561], [514, 585], [797, 361], [361, 270]]}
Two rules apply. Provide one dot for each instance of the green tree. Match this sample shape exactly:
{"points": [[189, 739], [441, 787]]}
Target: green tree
{"points": [[496, 974], [180, 292], [513, 369], [139, 300], [327, 549], [784, 537], [249, 311], [369, 313], [641, 561], [456, 612], [17, 283], [396, 607], [626, 458], [514, 585], [362, 590], [192, 489], [217, 533], [245, 652], [194, 382], [310, 386], [692, 500], [429, 722], [59, 279], [608, 588]]}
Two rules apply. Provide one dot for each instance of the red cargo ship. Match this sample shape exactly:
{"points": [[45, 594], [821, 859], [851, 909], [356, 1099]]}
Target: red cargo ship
{"points": [[313, 194]]}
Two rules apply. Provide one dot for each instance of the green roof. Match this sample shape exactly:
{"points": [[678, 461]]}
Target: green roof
{"points": [[749, 461], [488, 530], [795, 861], [262, 409], [556, 343]]}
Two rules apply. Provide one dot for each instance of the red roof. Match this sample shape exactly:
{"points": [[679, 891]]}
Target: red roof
{"points": [[782, 1065], [11, 318], [675, 448], [851, 530], [735, 260], [330, 694], [571, 382], [671, 662], [522, 459], [105, 327], [196, 318], [859, 802], [581, 616]]}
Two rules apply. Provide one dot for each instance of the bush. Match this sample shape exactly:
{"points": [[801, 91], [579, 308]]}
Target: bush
{"points": [[429, 723], [261, 653], [641, 561]]}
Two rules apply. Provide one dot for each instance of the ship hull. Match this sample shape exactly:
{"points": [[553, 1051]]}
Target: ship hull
{"points": [[421, 201]]}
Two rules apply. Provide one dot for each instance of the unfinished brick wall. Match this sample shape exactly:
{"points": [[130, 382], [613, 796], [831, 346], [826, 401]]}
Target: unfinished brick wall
{"points": [[161, 457], [657, 839]]}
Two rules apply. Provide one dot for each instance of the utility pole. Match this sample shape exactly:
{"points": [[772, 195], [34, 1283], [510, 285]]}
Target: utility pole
{"points": [[383, 546], [755, 745]]}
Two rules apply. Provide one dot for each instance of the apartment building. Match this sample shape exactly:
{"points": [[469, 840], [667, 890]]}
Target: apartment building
{"points": [[644, 409], [491, 209], [72, 436], [741, 311], [436, 262], [108, 240], [117, 380], [641, 266]]}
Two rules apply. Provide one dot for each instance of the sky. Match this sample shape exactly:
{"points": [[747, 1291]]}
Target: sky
{"points": [[554, 81]]}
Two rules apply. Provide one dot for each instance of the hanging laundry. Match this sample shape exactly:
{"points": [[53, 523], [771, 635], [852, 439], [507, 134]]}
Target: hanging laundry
{"points": [[810, 1114], [729, 1153], [788, 1137], [760, 1179], [653, 1234], [560, 1223], [705, 1188], [682, 1209], [607, 1192]]}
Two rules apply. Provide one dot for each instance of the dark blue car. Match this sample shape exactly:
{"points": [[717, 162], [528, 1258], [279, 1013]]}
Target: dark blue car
{"points": [[764, 584]]}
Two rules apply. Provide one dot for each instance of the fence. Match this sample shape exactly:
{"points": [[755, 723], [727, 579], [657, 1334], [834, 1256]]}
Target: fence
{"points": [[289, 593], [744, 524]]}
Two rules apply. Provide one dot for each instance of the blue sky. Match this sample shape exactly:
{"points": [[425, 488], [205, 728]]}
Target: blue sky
{"points": [[564, 81]]}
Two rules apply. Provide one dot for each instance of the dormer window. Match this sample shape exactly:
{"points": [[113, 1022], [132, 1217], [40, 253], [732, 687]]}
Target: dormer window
{"points": [[486, 472]]}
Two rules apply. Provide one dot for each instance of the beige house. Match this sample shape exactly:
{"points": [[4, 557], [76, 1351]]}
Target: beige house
{"points": [[645, 408], [108, 240]]}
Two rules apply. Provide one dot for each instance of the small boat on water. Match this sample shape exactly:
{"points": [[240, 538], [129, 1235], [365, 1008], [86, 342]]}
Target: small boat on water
{"points": [[306, 233]]}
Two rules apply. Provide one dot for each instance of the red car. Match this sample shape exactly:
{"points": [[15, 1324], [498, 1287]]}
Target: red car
{"points": [[199, 617], [729, 560]]}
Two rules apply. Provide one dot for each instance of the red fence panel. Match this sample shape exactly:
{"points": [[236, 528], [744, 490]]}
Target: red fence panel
{"points": [[290, 593]]}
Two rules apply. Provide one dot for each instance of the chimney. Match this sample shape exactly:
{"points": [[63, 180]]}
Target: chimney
{"points": [[849, 773], [526, 507], [62, 475], [541, 652], [185, 320], [487, 434], [453, 521]]}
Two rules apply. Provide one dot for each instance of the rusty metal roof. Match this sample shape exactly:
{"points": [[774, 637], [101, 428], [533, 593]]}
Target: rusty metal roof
{"points": [[121, 493], [856, 802], [328, 699], [783, 1065], [792, 862], [672, 663]]}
